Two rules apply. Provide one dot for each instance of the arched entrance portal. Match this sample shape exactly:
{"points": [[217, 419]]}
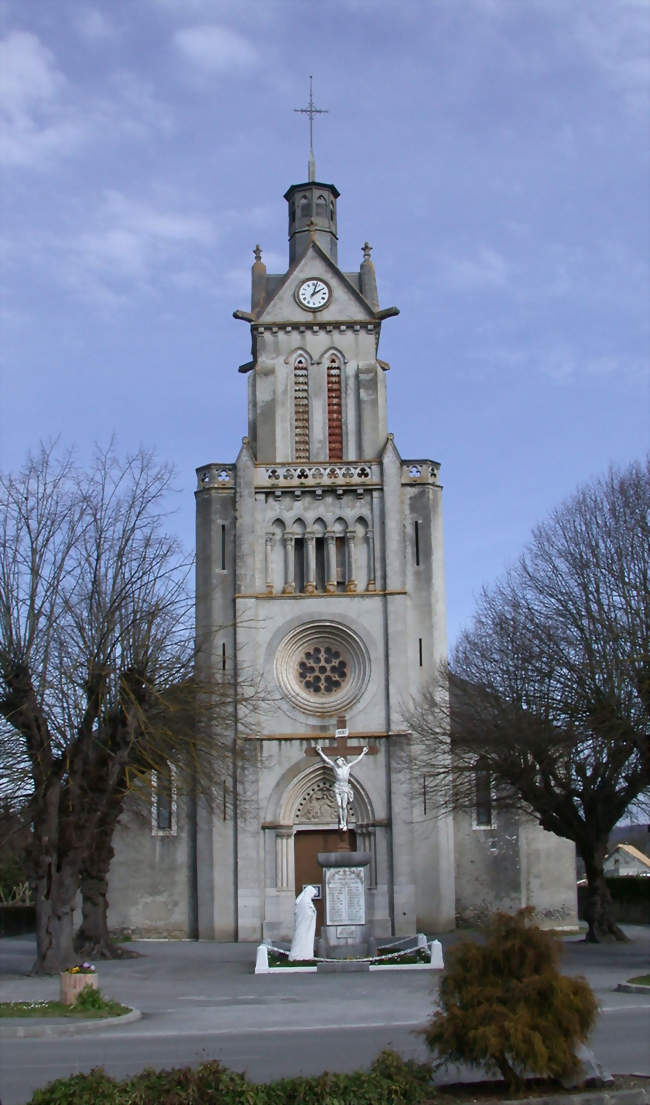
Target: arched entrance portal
{"points": [[315, 819], [307, 843], [302, 820]]}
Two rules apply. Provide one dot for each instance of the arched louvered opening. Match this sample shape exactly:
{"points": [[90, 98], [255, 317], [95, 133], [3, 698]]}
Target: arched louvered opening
{"points": [[301, 408], [334, 410]]}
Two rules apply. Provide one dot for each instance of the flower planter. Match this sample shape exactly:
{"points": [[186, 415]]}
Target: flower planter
{"points": [[73, 984]]}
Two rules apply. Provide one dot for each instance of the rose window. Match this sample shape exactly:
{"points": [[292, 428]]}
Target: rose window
{"points": [[322, 670]]}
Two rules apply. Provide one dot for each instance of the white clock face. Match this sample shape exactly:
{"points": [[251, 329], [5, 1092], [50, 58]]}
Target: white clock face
{"points": [[313, 294]]}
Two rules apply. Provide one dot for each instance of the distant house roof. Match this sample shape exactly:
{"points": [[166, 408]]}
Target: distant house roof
{"points": [[632, 851]]}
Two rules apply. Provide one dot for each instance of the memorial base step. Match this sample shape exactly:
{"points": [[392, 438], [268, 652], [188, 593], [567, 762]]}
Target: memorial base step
{"points": [[342, 966]]}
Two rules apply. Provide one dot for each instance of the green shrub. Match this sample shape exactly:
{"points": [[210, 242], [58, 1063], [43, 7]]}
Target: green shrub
{"points": [[506, 1007], [89, 998], [209, 1084], [390, 1081], [96, 1088]]}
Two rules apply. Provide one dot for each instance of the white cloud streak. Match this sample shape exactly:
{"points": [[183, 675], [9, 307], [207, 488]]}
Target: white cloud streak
{"points": [[93, 25], [33, 123], [215, 49], [483, 270]]}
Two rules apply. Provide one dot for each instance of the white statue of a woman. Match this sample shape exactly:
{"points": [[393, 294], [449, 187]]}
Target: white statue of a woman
{"points": [[342, 787], [304, 925]]}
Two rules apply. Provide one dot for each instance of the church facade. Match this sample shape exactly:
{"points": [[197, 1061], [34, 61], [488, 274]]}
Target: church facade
{"points": [[320, 577]]}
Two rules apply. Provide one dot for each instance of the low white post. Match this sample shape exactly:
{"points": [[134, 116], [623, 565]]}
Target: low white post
{"points": [[422, 940], [436, 955], [262, 960]]}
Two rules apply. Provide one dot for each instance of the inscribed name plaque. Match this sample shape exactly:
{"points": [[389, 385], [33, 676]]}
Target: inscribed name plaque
{"points": [[344, 896]]}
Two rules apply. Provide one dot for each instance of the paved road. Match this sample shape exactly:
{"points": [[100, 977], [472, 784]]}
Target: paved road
{"points": [[201, 1001]]}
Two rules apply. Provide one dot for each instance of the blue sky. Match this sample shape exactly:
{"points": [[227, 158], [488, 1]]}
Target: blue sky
{"points": [[494, 152]]}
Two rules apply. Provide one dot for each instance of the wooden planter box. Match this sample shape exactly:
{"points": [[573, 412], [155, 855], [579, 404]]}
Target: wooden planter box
{"points": [[72, 985]]}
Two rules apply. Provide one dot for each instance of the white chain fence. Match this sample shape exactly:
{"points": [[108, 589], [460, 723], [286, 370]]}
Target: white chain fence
{"points": [[433, 947]]}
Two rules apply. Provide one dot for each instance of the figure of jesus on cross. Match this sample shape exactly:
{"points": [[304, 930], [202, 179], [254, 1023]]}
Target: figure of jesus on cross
{"points": [[342, 787]]}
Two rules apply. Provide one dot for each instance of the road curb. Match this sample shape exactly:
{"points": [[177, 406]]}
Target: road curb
{"points": [[591, 1097], [633, 988], [65, 1028]]}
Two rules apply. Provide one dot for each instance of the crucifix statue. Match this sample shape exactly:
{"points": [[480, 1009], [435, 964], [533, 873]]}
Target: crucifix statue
{"points": [[342, 788], [341, 768]]}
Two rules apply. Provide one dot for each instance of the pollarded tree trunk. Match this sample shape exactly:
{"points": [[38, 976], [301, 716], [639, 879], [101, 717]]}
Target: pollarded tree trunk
{"points": [[54, 858], [598, 909], [55, 892], [93, 940]]}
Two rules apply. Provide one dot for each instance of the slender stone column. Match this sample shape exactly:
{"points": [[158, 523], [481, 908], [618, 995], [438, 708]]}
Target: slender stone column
{"points": [[350, 538], [283, 857], [330, 562], [268, 562], [366, 843], [289, 566], [372, 581], [310, 563]]}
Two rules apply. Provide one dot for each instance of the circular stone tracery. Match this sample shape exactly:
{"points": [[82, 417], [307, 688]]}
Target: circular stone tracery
{"points": [[322, 667], [322, 670]]}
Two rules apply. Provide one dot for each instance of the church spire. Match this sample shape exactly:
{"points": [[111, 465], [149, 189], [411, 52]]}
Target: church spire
{"points": [[310, 110]]}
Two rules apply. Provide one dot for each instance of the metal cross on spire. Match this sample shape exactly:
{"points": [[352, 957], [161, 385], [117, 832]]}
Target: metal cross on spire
{"points": [[310, 110]]}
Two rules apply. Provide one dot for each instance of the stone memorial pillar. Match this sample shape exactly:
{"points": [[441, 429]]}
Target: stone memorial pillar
{"points": [[345, 930]]}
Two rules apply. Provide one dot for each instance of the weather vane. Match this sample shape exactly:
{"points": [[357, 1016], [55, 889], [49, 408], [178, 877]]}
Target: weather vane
{"points": [[311, 111]]}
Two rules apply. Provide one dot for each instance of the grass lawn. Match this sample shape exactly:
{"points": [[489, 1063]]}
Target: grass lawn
{"points": [[641, 980], [58, 1009]]}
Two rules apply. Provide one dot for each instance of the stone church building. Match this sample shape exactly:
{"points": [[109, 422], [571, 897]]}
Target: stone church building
{"points": [[320, 572]]}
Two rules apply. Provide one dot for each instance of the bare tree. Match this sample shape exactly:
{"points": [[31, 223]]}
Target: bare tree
{"points": [[96, 641], [550, 686]]}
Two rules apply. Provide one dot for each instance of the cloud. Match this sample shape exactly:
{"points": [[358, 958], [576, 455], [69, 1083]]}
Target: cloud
{"points": [[565, 366], [44, 117], [29, 78], [34, 125], [614, 36], [564, 363], [485, 269], [92, 24], [215, 49], [131, 244]]}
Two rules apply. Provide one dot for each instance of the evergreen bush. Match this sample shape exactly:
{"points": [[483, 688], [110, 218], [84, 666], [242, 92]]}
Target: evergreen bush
{"points": [[506, 1007], [390, 1081]]}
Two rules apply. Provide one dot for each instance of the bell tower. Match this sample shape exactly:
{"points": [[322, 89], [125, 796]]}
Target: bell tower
{"points": [[320, 547]]}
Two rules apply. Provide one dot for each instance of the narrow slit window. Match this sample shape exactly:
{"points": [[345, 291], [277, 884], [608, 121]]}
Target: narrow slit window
{"points": [[420, 650], [163, 811], [334, 411], [223, 656], [223, 547], [416, 528], [341, 574], [299, 563], [483, 795], [319, 556]]}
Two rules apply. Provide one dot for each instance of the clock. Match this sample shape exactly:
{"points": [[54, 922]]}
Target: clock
{"points": [[313, 294]]}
